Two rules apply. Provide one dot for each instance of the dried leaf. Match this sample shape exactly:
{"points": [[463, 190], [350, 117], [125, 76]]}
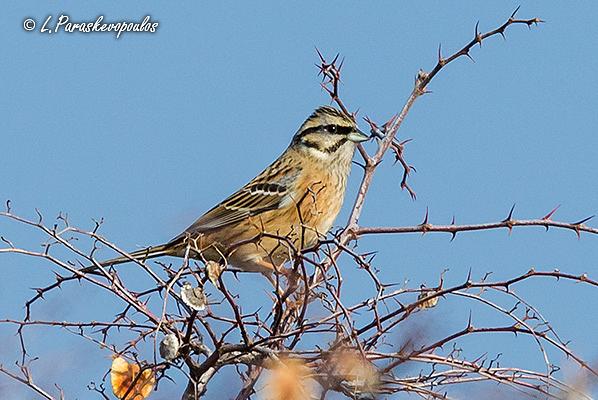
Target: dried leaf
{"points": [[194, 297], [430, 303], [169, 347], [125, 375], [214, 271]]}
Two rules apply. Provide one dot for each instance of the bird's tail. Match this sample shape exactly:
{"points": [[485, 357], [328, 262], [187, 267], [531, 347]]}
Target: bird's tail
{"points": [[139, 255]]}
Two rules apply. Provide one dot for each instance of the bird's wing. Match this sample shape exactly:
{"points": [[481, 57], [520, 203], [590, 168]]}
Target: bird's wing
{"points": [[270, 190]]}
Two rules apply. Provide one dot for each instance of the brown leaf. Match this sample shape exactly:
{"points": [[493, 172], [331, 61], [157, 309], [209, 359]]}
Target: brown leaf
{"points": [[214, 271], [125, 375]]}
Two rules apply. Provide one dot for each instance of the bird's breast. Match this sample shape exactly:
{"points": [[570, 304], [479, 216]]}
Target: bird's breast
{"points": [[322, 193]]}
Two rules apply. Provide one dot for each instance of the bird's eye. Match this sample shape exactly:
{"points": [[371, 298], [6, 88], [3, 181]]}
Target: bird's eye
{"points": [[331, 128]]}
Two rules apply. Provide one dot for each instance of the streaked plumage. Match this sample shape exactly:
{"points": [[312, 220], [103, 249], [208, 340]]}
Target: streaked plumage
{"points": [[297, 197]]}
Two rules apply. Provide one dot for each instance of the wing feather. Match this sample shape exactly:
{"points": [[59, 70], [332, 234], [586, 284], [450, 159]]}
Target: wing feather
{"points": [[270, 190]]}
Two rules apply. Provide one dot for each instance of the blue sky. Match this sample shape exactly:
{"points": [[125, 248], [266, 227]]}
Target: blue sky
{"points": [[150, 130]]}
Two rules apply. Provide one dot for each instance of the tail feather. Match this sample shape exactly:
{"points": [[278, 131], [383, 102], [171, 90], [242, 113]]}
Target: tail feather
{"points": [[139, 255]]}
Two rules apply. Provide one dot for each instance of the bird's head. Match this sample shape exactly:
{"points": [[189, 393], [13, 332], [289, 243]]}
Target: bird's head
{"points": [[327, 134]]}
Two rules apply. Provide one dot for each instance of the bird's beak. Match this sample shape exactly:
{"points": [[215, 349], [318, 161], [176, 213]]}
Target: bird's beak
{"points": [[357, 136]]}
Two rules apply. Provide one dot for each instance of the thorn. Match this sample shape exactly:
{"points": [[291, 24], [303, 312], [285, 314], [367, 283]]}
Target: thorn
{"points": [[483, 355], [583, 220], [453, 233], [8, 242], [326, 88], [412, 194], [390, 122], [360, 165], [425, 222], [335, 58], [510, 214], [550, 214], [319, 68], [441, 61], [39, 215], [320, 55], [369, 253], [469, 325], [515, 12], [478, 37], [468, 281], [59, 278], [469, 55]]}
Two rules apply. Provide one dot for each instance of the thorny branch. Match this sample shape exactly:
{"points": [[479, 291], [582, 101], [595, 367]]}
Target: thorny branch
{"points": [[347, 348], [453, 229]]}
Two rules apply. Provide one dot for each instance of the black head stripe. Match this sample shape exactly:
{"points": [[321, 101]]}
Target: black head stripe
{"points": [[330, 149], [335, 146], [344, 130], [339, 129], [310, 130], [313, 145]]}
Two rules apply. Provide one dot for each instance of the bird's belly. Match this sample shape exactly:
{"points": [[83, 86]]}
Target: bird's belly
{"points": [[274, 237]]}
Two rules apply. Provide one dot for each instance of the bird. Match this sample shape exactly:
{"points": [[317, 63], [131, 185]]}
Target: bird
{"points": [[288, 207]]}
